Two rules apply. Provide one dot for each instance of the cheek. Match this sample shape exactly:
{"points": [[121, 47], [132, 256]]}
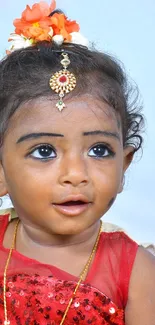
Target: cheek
{"points": [[107, 184], [29, 192], [24, 181], [107, 175]]}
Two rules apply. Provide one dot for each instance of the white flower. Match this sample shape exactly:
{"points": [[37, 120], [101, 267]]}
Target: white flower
{"points": [[78, 38], [19, 41], [58, 39]]}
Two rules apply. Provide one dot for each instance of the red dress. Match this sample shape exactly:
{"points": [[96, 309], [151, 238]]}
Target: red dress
{"points": [[38, 294]]}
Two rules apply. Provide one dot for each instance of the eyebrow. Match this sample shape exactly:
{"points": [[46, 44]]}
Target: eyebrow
{"points": [[32, 136], [104, 133]]}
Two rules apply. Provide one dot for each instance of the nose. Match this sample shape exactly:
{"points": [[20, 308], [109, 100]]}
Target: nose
{"points": [[74, 172]]}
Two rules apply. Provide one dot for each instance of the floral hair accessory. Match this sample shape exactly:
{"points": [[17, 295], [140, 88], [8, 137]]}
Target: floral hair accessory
{"points": [[63, 81], [43, 23]]}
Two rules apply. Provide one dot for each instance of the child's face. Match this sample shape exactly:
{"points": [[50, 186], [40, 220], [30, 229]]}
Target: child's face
{"points": [[76, 154]]}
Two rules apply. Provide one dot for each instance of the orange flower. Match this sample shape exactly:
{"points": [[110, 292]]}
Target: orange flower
{"points": [[36, 24], [71, 26], [37, 17], [38, 11], [38, 33], [62, 26]]}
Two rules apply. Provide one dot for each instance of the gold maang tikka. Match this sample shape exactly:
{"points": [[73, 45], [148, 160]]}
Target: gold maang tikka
{"points": [[63, 81]]}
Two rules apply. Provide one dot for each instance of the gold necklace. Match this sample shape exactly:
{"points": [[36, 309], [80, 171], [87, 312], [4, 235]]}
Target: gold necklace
{"points": [[81, 278]]}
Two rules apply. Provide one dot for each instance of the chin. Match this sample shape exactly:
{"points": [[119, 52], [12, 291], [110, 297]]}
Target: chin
{"points": [[67, 227]]}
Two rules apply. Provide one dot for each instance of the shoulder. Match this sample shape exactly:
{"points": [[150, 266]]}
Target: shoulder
{"points": [[118, 237], [118, 251], [140, 307], [121, 248], [114, 232]]}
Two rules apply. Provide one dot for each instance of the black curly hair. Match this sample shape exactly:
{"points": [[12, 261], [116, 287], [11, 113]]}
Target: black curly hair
{"points": [[25, 74]]}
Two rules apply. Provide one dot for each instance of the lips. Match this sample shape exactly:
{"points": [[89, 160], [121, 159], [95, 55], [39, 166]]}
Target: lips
{"points": [[73, 205]]}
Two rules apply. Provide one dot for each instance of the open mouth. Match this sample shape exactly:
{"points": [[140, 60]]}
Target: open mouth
{"points": [[73, 203], [72, 207]]}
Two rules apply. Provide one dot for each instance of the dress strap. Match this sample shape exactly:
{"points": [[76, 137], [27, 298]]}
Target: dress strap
{"points": [[4, 220]]}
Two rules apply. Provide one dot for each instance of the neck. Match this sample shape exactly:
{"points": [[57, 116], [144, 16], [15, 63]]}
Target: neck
{"points": [[38, 237]]}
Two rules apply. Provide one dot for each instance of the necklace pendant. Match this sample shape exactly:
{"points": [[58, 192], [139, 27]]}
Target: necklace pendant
{"points": [[6, 322]]}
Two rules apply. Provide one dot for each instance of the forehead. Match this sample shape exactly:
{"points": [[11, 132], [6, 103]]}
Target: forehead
{"points": [[81, 113]]}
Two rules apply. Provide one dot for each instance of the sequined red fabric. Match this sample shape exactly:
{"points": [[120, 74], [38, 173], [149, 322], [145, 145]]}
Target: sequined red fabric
{"points": [[38, 294], [43, 300]]}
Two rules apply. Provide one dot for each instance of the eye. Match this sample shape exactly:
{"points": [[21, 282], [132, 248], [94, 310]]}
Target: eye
{"points": [[43, 152], [100, 151]]}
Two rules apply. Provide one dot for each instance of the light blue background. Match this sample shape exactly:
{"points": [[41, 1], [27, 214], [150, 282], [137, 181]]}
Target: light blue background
{"points": [[125, 29]]}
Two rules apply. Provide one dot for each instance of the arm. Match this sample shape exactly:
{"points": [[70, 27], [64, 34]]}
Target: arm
{"points": [[140, 308]]}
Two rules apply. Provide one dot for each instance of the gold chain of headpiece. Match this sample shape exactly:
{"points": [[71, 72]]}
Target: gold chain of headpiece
{"points": [[63, 81], [81, 278]]}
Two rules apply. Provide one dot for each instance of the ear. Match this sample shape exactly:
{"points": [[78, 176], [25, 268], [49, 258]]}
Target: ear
{"points": [[3, 187], [129, 152], [128, 157]]}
